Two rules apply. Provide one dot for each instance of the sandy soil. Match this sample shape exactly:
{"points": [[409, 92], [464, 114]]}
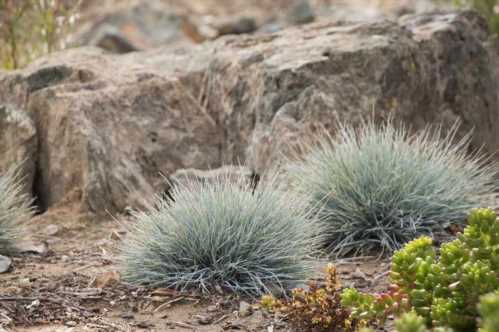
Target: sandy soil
{"points": [[75, 286]]}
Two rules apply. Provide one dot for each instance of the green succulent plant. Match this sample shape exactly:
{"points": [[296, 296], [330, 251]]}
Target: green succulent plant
{"points": [[489, 311], [446, 290], [443, 287], [410, 322], [488, 8], [374, 308]]}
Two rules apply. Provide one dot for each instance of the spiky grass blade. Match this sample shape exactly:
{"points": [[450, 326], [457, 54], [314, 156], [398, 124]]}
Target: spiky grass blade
{"points": [[245, 240], [380, 186], [15, 210]]}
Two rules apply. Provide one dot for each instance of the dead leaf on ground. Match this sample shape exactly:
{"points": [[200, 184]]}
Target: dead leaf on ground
{"points": [[106, 279]]}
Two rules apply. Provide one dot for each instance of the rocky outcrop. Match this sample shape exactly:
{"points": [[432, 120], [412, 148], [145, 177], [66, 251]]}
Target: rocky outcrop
{"points": [[111, 127], [426, 69]]}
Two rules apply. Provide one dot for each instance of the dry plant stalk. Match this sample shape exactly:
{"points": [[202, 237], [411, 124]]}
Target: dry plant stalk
{"points": [[31, 28]]}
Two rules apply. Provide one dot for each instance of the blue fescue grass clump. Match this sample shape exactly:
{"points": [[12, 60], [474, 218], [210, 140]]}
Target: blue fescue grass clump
{"points": [[380, 186], [222, 235], [15, 210]]}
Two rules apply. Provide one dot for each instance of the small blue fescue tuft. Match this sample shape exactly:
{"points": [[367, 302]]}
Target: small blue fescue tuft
{"points": [[15, 210], [379, 186], [229, 235]]}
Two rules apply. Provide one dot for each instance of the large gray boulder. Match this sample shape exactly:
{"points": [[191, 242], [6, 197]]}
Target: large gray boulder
{"points": [[428, 69], [110, 128]]}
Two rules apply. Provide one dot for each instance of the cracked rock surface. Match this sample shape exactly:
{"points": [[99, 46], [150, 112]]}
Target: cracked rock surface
{"points": [[103, 130]]}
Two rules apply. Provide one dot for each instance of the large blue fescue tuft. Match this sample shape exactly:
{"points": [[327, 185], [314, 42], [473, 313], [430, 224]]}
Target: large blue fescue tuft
{"points": [[15, 210], [379, 186], [222, 234]]}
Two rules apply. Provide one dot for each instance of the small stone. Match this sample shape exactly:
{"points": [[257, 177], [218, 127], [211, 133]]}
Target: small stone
{"points": [[203, 320], [106, 279], [349, 284], [245, 309], [212, 308], [38, 249], [144, 325], [127, 315], [5, 263], [24, 282], [359, 274], [52, 230], [71, 323]]}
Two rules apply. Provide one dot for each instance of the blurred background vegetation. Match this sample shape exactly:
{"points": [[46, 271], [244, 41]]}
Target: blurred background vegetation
{"points": [[32, 28], [488, 8]]}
